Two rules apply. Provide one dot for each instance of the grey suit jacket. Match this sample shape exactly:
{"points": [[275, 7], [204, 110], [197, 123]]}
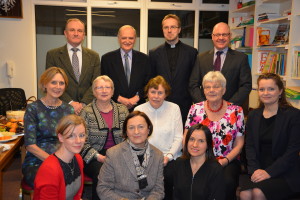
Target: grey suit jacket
{"points": [[235, 69], [118, 179], [82, 91]]}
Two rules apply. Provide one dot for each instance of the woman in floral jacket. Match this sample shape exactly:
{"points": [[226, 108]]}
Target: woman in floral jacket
{"points": [[226, 122]]}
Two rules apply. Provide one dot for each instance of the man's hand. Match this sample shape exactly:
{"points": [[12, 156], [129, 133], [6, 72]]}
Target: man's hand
{"points": [[125, 101], [259, 175], [77, 106], [134, 100]]}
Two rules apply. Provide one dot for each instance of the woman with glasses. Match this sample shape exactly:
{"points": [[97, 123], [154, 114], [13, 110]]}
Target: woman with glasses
{"points": [[40, 120], [133, 169], [226, 123], [61, 174], [272, 144], [104, 119]]}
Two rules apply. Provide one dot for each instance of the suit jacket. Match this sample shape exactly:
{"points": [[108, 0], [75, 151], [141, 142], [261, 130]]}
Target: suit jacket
{"points": [[235, 69], [82, 91], [180, 81], [285, 145], [112, 66], [50, 183], [118, 179]]}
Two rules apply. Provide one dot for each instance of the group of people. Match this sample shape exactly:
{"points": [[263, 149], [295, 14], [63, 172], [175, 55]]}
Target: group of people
{"points": [[166, 147]]}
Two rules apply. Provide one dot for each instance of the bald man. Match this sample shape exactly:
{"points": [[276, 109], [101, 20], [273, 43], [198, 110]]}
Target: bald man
{"points": [[234, 66], [129, 69]]}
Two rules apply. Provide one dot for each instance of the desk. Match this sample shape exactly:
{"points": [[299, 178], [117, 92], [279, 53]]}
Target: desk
{"points": [[7, 156]]}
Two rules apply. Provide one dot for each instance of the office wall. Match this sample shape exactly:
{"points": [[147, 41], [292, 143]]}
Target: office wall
{"points": [[17, 44]]}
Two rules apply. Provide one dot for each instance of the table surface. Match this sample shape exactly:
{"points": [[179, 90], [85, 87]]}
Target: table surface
{"points": [[7, 156]]}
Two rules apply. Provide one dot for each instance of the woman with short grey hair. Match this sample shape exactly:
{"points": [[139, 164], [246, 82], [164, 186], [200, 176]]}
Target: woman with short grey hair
{"points": [[226, 123], [104, 119]]}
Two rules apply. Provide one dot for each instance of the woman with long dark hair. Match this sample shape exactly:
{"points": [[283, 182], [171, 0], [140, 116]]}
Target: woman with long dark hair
{"points": [[197, 174]]}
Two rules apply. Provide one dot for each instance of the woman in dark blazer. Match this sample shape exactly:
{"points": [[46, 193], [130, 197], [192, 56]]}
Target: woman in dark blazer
{"points": [[272, 144]]}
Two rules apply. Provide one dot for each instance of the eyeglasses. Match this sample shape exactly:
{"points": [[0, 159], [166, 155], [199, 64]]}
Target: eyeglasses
{"points": [[102, 88], [223, 34], [170, 27], [213, 87]]}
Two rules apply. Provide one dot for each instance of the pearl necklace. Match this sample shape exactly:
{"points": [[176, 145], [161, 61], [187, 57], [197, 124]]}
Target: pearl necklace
{"points": [[49, 107], [210, 109]]}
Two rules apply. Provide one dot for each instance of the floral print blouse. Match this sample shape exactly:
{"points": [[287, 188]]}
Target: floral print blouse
{"points": [[224, 131]]}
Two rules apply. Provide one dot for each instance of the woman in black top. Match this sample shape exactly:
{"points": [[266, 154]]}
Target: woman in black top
{"points": [[197, 174], [272, 144]]}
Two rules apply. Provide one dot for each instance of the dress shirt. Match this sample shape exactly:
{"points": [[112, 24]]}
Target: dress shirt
{"points": [[223, 56], [79, 54], [167, 127]]}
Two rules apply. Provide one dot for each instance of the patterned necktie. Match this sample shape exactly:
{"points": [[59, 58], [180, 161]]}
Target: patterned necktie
{"points": [[127, 68], [217, 64], [75, 63]]}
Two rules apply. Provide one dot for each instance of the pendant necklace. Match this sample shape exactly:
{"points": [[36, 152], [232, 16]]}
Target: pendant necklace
{"points": [[73, 166]]}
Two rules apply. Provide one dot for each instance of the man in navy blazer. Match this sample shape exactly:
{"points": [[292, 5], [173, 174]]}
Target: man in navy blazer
{"points": [[128, 92], [174, 60], [79, 92], [234, 67]]}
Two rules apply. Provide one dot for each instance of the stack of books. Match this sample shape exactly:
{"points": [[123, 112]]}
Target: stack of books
{"points": [[267, 16], [293, 92]]}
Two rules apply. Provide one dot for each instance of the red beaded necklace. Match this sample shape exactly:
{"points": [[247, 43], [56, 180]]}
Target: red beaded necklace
{"points": [[210, 109]]}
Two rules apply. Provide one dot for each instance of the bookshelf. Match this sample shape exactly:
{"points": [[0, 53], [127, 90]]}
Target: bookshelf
{"points": [[290, 46]]}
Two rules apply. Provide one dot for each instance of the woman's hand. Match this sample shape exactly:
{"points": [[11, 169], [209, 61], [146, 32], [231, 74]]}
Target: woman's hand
{"points": [[101, 158], [166, 160], [259, 175], [223, 162]]}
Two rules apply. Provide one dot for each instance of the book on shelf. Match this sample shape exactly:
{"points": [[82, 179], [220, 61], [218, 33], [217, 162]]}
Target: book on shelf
{"points": [[249, 32], [262, 58], [292, 92], [271, 61], [267, 16], [282, 34], [263, 36], [296, 69]]}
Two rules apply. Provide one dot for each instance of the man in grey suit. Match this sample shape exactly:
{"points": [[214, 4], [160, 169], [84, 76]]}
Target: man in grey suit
{"points": [[81, 65], [174, 60], [129, 69], [233, 65]]}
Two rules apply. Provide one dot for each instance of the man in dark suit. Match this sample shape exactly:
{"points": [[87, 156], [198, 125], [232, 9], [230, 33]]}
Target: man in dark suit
{"points": [[81, 65], [174, 60], [129, 69], [232, 64]]}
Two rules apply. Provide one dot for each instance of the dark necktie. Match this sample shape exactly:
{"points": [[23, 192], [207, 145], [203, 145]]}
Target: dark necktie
{"points": [[217, 64], [127, 68], [75, 63]]}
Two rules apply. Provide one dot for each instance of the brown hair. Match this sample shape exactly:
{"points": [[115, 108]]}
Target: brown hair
{"points": [[67, 122], [208, 136], [48, 75], [155, 82], [282, 102], [168, 16], [134, 114]]}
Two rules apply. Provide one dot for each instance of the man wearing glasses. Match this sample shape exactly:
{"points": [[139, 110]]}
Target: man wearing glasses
{"points": [[232, 64], [174, 60]]}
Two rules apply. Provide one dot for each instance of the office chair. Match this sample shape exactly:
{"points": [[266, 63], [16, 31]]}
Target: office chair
{"points": [[12, 99]]}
